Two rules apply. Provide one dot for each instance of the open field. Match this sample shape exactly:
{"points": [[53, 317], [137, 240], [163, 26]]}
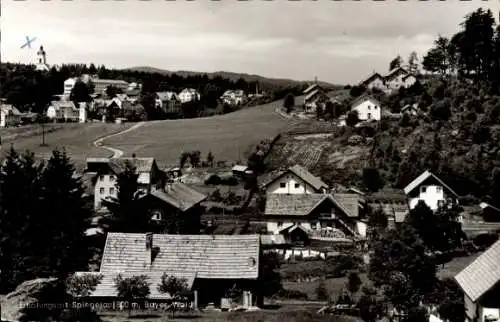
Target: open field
{"points": [[292, 313], [227, 136], [77, 139]]}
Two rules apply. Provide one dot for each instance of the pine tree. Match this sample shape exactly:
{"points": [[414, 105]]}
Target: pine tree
{"points": [[19, 181], [64, 217], [127, 213]]}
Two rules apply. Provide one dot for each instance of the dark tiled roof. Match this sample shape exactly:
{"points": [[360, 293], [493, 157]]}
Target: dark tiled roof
{"points": [[482, 274], [179, 195], [371, 77], [141, 164], [207, 256], [303, 204], [422, 178]]}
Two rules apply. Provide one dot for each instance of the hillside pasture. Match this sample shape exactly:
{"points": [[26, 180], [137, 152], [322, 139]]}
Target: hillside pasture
{"points": [[227, 136], [76, 139]]}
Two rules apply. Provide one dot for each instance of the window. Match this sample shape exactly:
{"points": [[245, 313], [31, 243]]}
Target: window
{"points": [[101, 178], [439, 189], [280, 224], [423, 189], [375, 107], [101, 191], [369, 115], [369, 107], [111, 178], [297, 185], [111, 191], [156, 216], [282, 184]]}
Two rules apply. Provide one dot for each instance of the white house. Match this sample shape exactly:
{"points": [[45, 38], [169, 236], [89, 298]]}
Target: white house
{"points": [[9, 115], [169, 102], [368, 108], [375, 80], [69, 84], [431, 190], [234, 97], [296, 180], [480, 284], [63, 110], [188, 95], [106, 172]]}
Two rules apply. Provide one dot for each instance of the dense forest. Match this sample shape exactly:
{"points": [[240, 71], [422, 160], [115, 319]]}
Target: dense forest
{"points": [[26, 88]]}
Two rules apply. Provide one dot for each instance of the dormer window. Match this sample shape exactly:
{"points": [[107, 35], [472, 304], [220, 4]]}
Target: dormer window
{"points": [[282, 184], [297, 185]]}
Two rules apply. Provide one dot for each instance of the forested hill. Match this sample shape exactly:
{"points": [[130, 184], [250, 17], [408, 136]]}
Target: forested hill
{"points": [[233, 76]]}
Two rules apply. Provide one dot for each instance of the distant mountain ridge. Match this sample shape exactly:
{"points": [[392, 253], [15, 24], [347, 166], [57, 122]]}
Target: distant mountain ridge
{"points": [[230, 75]]}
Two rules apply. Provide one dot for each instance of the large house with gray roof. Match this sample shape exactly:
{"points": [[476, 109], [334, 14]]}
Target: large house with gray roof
{"points": [[480, 283], [211, 265]]}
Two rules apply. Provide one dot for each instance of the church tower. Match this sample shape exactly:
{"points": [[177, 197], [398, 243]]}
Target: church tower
{"points": [[41, 60]]}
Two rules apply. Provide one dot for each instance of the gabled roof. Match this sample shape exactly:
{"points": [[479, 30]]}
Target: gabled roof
{"points": [[63, 104], [106, 287], [312, 94], [395, 71], [310, 88], [409, 106], [364, 98], [10, 109], [304, 204], [241, 168], [109, 81], [482, 274], [422, 178], [303, 174], [371, 77], [207, 256], [141, 164], [166, 96], [179, 195]]}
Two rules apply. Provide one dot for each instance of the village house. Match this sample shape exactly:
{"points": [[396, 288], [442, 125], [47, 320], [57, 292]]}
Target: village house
{"points": [[410, 109], [210, 264], [393, 203], [169, 102], [428, 188], [64, 111], [479, 219], [9, 115], [399, 77], [375, 80], [100, 85], [295, 180], [234, 97], [368, 108], [480, 284], [106, 173], [302, 217], [188, 95]]}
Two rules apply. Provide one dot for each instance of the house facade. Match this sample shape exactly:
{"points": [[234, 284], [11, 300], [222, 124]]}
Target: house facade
{"points": [[9, 115], [234, 97], [63, 111], [188, 95], [169, 102], [210, 264], [481, 288], [106, 172], [368, 108], [375, 80], [296, 180], [396, 78], [100, 85], [431, 190]]}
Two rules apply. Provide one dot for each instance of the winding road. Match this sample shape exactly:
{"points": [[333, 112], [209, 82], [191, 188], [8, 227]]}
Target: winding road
{"points": [[117, 153]]}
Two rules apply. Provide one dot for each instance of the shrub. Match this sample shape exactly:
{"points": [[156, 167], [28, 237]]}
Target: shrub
{"points": [[292, 295], [82, 285]]}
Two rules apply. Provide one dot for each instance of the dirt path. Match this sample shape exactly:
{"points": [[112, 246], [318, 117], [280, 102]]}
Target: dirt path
{"points": [[116, 152]]}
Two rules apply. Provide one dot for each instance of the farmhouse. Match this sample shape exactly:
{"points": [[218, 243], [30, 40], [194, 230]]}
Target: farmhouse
{"points": [[63, 111], [295, 180], [9, 115], [368, 108], [211, 265], [393, 203], [314, 98], [375, 80], [431, 190], [398, 77], [480, 284], [188, 95], [300, 217], [234, 97], [106, 171], [169, 102]]}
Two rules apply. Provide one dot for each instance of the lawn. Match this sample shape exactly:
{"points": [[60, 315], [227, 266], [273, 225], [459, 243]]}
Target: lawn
{"points": [[457, 264], [288, 313], [227, 136], [77, 139]]}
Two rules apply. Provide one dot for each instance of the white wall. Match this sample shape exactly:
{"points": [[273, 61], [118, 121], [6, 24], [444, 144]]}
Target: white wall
{"points": [[470, 308], [431, 196], [484, 312], [361, 228], [106, 182], [368, 110], [68, 85], [51, 112], [144, 178], [290, 181], [410, 81]]}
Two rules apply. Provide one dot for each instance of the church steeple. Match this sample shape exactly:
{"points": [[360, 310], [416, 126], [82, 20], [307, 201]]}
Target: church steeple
{"points": [[41, 56]]}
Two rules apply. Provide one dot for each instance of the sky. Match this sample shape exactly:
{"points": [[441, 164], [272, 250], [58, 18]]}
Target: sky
{"points": [[336, 41]]}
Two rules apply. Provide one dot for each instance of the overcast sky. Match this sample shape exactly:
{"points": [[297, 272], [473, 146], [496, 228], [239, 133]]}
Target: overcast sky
{"points": [[337, 41]]}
